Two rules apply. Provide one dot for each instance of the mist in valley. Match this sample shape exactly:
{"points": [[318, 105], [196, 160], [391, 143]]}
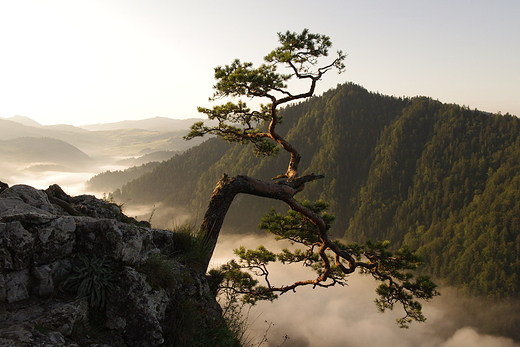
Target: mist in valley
{"points": [[347, 316], [72, 182]]}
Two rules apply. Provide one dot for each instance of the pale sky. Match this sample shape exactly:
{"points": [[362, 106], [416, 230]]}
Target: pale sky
{"points": [[98, 61]]}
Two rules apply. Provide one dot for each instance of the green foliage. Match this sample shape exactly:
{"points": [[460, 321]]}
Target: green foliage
{"points": [[241, 79], [111, 180], [190, 249], [295, 227], [439, 184], [236, 322], [237, 123], [174, 181], [396, 270], [354, 119], [303, 49], [242, 282], [42, 329], [160, 272], [91, 279], [184, 328], [237, 115]]}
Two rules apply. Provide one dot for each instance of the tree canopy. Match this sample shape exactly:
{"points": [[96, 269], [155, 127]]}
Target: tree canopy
{"points": [[306, 224], [238, 123]]}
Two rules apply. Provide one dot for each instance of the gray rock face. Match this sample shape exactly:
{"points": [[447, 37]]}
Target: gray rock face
{"points": [[44, 235], [29, 197], [136, 304]]}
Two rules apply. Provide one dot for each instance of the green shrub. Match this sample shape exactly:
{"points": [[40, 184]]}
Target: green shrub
{"points": [[90, 279], [160, 272], [190, 248]]}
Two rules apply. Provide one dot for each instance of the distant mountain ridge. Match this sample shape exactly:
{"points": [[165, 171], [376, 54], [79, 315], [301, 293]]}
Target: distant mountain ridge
{"points": [[24, 120], [43, 150], [153, 124], [28, 122], [122, 139]]}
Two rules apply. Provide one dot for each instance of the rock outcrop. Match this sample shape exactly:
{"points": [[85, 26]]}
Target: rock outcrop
{"points": [[75, 271]]}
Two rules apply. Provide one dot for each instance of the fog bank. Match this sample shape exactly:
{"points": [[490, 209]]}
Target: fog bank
{"points": [[347, 316], [72, 183]]}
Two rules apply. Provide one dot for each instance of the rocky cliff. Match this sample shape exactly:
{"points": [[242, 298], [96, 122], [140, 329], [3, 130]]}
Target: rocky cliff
{"points": [[75, 271]]}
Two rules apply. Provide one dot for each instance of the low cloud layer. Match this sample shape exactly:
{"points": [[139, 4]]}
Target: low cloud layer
{"points": [[347, 316], [73, 183], [160, 215]]}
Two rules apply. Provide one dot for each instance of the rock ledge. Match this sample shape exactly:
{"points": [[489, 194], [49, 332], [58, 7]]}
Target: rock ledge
{"points": [[45, 234]]}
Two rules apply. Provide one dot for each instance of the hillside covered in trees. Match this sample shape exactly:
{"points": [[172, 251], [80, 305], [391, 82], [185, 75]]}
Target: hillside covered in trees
{"points": [[438, 177]]}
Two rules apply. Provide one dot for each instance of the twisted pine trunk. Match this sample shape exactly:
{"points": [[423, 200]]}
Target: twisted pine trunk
{"points": [[226, 190]]}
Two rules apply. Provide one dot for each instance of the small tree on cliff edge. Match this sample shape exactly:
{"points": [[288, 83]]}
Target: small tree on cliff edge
{"points": [[305, 223]]}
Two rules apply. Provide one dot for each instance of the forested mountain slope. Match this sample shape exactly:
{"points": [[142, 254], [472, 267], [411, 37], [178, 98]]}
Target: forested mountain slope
{"points": [[446, 181], [439, 177]]}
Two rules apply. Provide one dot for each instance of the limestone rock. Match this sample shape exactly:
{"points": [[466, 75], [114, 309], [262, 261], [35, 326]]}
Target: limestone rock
{"points": [[136, 310], [16, 246], [30, 196], [43, 234], [26, 335], [3, 186]]}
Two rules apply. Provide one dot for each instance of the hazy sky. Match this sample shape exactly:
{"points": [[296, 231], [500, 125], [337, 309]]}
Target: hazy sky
{"points": [[98, 61]]}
